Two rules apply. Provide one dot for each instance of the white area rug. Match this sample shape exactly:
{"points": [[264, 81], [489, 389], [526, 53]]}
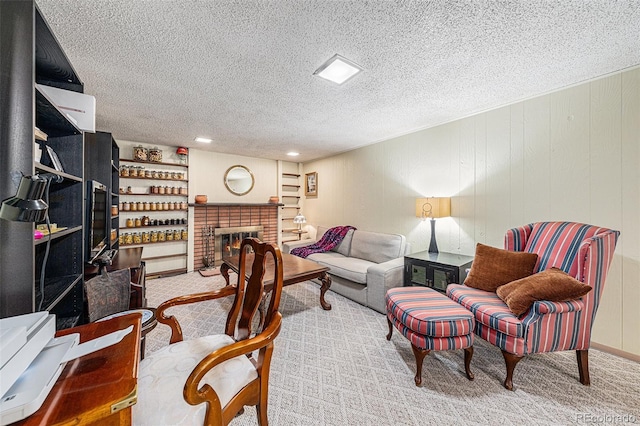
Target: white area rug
{"points": [[337, 368]]}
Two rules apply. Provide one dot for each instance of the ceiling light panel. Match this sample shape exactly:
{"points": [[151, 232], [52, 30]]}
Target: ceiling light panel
{"points": [[338, 69], [203, 140]]}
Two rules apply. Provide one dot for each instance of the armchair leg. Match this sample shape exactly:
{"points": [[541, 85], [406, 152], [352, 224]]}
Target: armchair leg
{"points": [[419, 354], [583, 366], [510, 360], [390, 329]]}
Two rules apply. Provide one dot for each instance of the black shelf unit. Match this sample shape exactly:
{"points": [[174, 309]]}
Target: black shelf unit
{"points": [[101, 163], [32, 56]]}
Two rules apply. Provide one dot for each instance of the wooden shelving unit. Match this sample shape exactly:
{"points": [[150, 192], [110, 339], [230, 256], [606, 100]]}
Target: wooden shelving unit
{"points": [[159, 254], [290, 196]]}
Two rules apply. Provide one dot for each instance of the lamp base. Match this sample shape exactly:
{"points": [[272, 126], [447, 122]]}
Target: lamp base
{"points": [[433, 246]]}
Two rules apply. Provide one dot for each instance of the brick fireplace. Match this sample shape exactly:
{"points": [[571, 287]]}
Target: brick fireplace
{"points": [[211, 216]]}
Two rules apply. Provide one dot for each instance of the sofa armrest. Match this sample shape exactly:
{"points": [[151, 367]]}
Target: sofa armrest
{"points": [[290, 245], [380, 278], [545, 307]]}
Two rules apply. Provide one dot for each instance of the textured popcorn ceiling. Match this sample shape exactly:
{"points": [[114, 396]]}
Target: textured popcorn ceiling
{"points": [[240, 72]]}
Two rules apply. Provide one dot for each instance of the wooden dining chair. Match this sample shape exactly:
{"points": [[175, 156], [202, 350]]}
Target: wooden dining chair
{"points": [[209, 380]]}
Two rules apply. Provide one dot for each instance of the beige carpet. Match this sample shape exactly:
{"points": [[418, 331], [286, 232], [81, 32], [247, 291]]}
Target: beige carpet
{"points": [[336, 368]]}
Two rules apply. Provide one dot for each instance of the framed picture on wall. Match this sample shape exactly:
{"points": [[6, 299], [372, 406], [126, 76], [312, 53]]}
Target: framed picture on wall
{"points": [[311, 184]]}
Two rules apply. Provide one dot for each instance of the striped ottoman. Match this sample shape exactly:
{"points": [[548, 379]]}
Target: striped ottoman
{"points": [[431, 321]]}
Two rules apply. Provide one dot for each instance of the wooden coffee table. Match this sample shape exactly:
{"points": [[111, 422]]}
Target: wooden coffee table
{"points": [[295, 270]]}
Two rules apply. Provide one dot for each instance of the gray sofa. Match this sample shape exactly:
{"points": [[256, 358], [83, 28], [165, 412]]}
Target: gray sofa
{"points": [[363, 266]]}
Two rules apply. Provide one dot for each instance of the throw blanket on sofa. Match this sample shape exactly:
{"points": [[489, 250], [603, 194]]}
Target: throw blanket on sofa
{"points": [[329, 240]]}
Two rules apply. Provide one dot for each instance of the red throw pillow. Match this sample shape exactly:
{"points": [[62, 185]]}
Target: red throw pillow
{"points": [[493, 267], [553, 285]]}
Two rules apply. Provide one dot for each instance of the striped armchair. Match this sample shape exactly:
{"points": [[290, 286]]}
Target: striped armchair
{"points": [[582, 251]]}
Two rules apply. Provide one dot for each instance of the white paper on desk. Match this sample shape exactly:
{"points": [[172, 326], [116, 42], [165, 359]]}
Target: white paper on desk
{"points": [[96, 344]]}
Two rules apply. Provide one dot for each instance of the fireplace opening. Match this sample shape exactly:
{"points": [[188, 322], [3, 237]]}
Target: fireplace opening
{"points": [[228, 240]]}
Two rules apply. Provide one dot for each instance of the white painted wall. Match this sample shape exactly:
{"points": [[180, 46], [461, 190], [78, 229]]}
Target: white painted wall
{"points": [[570, 155]]}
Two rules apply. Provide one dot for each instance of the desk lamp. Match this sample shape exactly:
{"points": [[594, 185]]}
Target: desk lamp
{"points": [[299, 220]]}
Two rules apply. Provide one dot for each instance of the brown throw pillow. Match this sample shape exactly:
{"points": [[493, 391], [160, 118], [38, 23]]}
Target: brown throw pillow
{"points": [[493, 267], [553, 285]]}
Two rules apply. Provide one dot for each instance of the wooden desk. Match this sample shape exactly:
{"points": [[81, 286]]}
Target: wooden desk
{"points": [[100, 387]]}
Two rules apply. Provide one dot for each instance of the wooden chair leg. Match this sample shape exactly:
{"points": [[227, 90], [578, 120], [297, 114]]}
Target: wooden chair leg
{"points": [[419, 354], [390, 329], [468, 354], [510, 360], [583, 366]]}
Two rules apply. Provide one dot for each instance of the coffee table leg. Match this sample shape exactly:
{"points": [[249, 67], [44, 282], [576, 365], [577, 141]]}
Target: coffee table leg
{"points": [[224, 271], [326, 283]]}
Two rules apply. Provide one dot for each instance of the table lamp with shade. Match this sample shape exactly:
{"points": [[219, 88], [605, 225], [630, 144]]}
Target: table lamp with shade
{"points": [[299, 220], [433, 208]]}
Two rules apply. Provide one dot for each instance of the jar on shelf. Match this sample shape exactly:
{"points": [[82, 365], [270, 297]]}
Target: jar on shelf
{"points": [[148, 173], [153, 206], [137, 222], [162, 236], [137, 238], [165, 205], [129, 223], [128, 238], [134, 206], [162, 190], [129, 190], [154, 236], [155, 154], [185, 234], [145, 220], [184, 205], [172, 206], [146, 237], [153, 189], [183, 190], [133, 171], [140, 206], [169, 235], [124, 171], [147, 206], [174, 175], [156, 174], [140, 153], [126, 206], [175, 190], [177, 235], [121, 239]]}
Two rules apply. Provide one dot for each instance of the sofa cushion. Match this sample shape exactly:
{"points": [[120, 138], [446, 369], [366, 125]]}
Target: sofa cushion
{"points": [[487, 308], [344, 246], [493, 267], [377, 247], [553, 285], [349, 268]]}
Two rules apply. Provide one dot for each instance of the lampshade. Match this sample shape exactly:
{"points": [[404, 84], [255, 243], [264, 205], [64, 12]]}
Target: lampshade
{"points": [[433, 207], [299, 218], [27, 205]]}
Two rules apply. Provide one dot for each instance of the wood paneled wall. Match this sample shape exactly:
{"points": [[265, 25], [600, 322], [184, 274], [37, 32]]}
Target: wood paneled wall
{"points": [[569, 155]]}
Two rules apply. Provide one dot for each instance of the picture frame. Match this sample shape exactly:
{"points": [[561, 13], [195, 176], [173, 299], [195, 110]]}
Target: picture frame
{"points": [[311, 184], [55, 161]]}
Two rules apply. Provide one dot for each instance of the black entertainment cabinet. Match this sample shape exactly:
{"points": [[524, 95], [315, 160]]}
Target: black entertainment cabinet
{"points": [[26, 107]]}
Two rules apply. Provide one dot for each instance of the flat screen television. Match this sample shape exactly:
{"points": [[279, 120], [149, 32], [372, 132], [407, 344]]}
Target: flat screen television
{"points": [[96, 224]]}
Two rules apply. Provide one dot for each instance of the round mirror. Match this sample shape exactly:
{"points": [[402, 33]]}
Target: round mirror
{"points": [[238, 180]]}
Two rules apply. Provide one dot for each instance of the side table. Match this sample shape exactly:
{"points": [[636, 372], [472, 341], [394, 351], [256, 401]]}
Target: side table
{"points": [[435, 270]]}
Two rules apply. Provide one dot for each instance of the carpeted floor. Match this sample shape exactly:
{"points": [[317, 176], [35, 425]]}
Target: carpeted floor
{"points": [[336, 368]]}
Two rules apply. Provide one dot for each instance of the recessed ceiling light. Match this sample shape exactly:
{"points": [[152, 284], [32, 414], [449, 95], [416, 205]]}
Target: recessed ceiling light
{"points": [[293, 154], [203, 140], [338, 69]]}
